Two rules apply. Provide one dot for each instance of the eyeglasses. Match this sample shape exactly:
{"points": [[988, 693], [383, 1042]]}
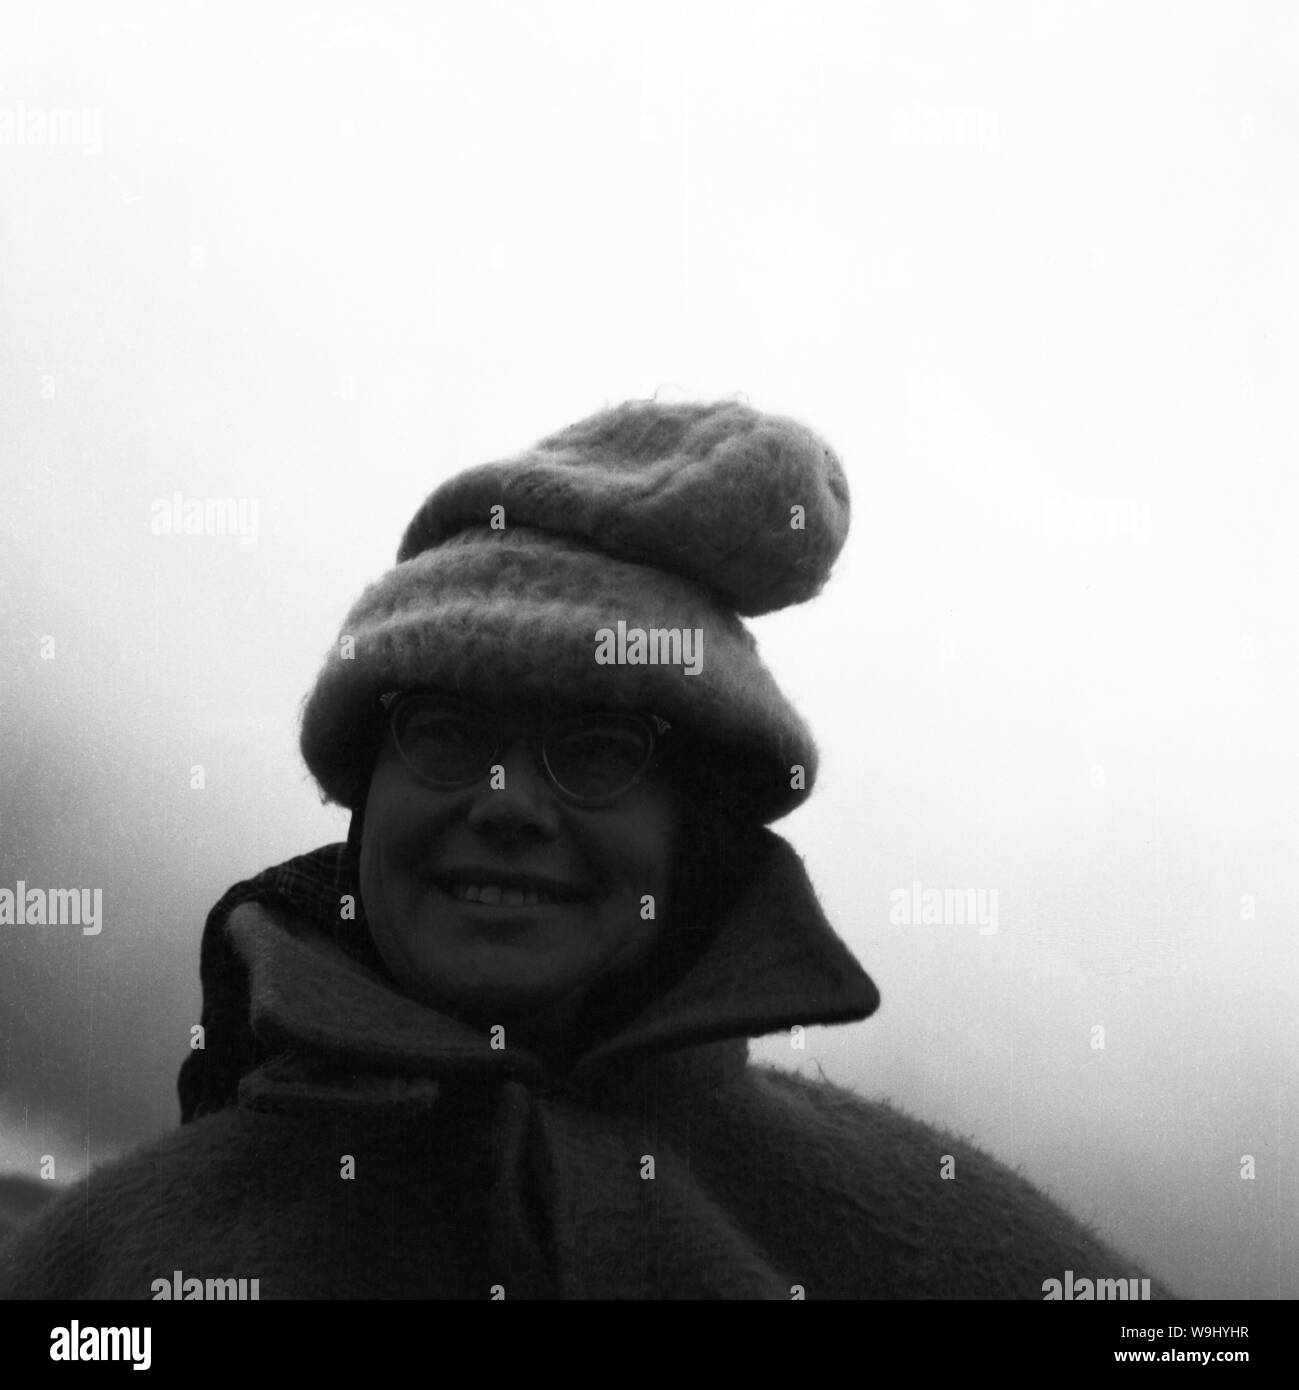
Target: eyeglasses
{"points": [[590, 759]]}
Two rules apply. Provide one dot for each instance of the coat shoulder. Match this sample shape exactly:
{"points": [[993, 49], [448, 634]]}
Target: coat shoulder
{"points": [[916, 1211], [119, 1228]]}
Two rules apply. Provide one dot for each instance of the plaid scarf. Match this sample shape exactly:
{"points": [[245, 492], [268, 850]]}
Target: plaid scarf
{"points": [[315, 888]]}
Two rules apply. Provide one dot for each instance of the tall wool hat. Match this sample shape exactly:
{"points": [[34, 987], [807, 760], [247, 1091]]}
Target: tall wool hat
{"points": [[607, 566]]}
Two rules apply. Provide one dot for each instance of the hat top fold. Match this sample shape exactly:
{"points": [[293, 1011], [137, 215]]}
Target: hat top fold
{"points": [[752, 506]]}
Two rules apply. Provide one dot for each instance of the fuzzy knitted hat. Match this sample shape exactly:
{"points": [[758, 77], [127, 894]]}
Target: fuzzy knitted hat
{"points": [[608, 565]]}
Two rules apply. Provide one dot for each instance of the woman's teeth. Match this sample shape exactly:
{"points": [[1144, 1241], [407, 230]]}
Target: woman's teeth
{"points": [[495, 896]]}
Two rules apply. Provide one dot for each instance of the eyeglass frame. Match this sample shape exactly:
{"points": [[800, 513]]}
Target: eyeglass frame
{"points": [[656, 727]]}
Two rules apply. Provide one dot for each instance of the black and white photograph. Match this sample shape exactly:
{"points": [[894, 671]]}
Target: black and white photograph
{"points": [[649, 655]]}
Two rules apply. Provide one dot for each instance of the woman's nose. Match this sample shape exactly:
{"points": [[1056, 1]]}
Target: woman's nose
{"points": [[516, 794]]}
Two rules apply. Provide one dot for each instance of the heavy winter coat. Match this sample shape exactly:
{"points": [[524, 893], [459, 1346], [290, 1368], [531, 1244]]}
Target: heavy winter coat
{"points": [[344, 1141]]}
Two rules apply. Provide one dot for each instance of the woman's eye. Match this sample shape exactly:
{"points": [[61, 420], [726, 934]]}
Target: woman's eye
{"points": [[609, 746], [445, 730], [444, 742], [600, 749]]}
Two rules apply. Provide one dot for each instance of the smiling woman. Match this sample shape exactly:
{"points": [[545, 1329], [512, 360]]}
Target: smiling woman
{"points": [[495, 1045]]}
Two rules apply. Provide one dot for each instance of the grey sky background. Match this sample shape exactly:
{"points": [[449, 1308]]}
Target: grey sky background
{"points": [[1029, 267]]}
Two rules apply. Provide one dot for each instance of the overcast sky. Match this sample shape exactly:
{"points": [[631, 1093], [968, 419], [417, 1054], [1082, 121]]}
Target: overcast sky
{"points": [[1030, 268]]}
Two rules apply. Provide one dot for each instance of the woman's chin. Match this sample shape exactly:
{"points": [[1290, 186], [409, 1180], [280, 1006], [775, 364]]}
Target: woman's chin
{"points": [[527, 1003]]}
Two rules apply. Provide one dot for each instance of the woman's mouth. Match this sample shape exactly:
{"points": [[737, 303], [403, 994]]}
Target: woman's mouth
{"points": [[495, 893]]}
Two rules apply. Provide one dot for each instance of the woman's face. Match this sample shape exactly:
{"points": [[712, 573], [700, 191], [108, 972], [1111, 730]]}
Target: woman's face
{"points": [[499, 959]]}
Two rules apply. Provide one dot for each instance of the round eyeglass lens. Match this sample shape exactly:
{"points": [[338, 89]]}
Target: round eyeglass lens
{"points": [[444, 744], [597, 756]]}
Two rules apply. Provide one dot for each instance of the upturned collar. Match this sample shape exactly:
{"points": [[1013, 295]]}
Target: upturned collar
{"points": [[303, 1024]]}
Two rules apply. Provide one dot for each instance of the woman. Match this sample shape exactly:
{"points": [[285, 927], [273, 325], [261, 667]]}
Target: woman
{"points": [[495, 1045]]}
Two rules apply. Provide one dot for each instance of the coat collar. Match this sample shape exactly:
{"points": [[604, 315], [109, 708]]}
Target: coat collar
{"points": [[320, 1016]]}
